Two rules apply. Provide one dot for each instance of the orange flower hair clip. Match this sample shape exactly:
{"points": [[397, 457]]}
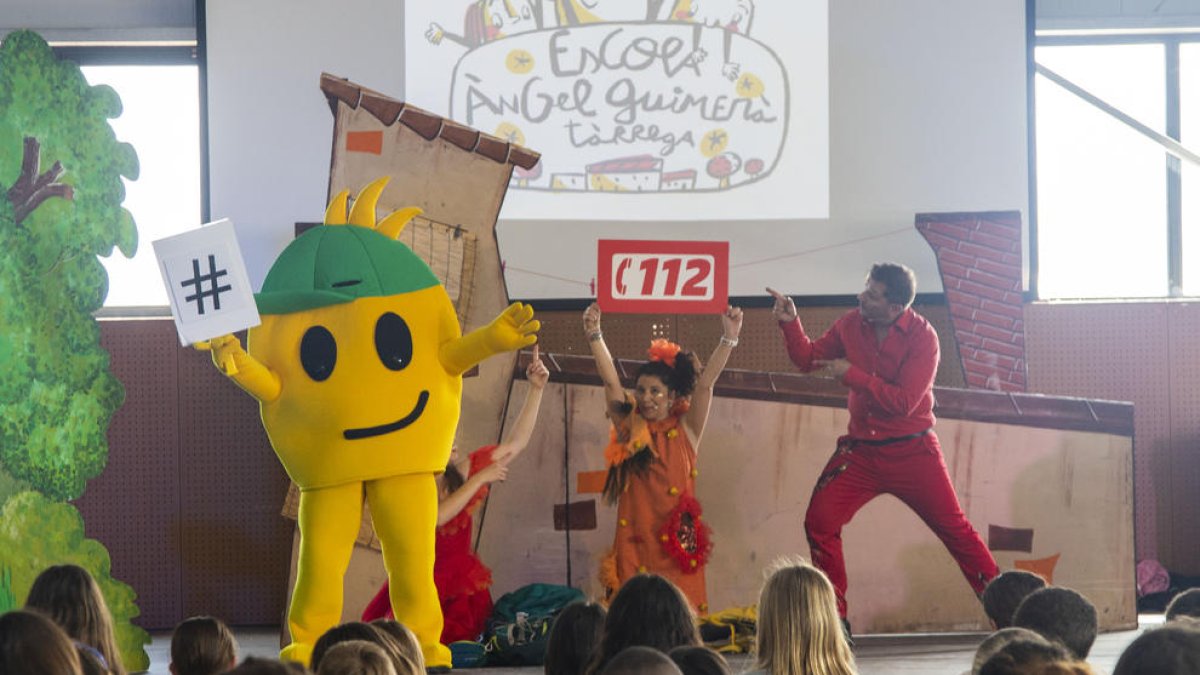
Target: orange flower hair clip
{"points": [[664, 350]]}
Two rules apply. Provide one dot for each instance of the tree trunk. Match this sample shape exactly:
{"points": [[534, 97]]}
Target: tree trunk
{"points": [[31, 189]]}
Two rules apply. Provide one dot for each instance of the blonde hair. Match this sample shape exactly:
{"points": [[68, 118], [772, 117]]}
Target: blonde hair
{"points": [[356, 657], [799, 632], [407, 640], [70, 596]]}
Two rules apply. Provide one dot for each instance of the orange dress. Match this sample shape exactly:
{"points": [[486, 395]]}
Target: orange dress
{"points": [[659, 526]]}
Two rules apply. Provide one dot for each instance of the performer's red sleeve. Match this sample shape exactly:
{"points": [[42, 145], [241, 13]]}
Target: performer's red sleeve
{"points": [[802, 351]]}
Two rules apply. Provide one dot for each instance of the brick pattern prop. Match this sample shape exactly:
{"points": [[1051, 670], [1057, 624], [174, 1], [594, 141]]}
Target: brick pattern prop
{"points": [[979, 257], [1057, 467]]}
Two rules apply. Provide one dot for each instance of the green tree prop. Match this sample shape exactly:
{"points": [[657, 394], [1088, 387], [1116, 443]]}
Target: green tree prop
{"points": [[56, 392], [57, 395], [36, 533]]}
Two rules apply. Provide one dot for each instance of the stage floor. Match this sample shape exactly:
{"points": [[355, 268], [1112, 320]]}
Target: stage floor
{"points": [[928, 654]]}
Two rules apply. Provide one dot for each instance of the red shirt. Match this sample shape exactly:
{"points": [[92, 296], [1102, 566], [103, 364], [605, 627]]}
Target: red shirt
{"points": [[891, 384]]}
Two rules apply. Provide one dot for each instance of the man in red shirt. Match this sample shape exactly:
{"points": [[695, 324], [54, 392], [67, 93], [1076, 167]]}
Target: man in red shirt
{"points": [[887, 355]]}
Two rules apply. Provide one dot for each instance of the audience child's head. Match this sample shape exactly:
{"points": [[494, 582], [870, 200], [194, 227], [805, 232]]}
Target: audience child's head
{"points": [[407, 640], [1185, 604], [699, 661], [1172, 649], [32, 644], [799, 632], [648, 611], [574, 637], [1004, 593], [1061, 615], [202, 645], [254, 665], [357, 630], [70, 596], [640, 661], [356, 657], [997, 641], [1034, 657]]}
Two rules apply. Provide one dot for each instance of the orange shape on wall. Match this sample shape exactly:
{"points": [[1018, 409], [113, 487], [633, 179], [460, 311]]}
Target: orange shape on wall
{"points": [[365, 141], [590, 482], [1043, 567]]}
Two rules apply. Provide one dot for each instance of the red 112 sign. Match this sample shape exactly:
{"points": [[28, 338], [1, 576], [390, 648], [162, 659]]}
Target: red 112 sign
{"points": [[651, 277]]}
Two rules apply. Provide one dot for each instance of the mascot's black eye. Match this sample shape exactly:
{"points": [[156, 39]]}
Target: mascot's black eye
{"points": [[393, 341], [318, 353]]}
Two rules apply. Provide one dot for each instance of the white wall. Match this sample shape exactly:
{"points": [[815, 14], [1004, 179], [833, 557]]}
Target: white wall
{"points": [[927, 113], [270, 128]]}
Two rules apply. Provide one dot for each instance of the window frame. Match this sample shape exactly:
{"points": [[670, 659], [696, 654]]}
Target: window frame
{"points": [[1171, 42]]}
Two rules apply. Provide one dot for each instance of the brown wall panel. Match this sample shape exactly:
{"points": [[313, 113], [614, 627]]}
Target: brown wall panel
{"points": [[1121, 351], [1181, 477], [133, 506], [235, 546]]}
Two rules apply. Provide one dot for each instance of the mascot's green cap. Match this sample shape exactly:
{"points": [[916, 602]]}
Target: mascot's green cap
{"points": [[333, 264]]}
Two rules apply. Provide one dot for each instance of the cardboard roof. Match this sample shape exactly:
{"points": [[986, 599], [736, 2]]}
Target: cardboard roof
{"points": [[430, 126]]}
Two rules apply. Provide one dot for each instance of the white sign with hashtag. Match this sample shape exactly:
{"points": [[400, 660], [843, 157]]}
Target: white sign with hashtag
{"points": [[207, 282]]}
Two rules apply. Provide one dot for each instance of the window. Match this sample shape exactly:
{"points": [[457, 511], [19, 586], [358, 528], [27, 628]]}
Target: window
{"points": [[1115, 203], [1189, 103], [161, 119]]}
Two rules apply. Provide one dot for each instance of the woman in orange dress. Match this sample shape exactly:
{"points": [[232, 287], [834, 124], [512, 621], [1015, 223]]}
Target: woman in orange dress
{"points": [[463, 581], [651, 458]]}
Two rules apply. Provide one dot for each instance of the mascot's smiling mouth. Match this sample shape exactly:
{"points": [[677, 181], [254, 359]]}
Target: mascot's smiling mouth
{"points": [[368, 432]]}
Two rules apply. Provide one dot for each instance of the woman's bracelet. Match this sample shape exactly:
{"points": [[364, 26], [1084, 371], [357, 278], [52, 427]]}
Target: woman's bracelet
{"points": [[731, 342], [595, 335]]}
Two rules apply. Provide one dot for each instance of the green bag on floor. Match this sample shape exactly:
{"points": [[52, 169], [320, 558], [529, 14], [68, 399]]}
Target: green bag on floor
{"points": [[519, 629]]}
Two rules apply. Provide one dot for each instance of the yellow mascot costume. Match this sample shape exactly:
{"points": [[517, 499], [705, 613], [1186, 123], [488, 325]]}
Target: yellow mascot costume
{"points": [[358, 369]]}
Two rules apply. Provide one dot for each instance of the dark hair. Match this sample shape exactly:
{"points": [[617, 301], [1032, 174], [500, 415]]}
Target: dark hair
{"points": [[254, 665], [33, 644], [573, 639], [202, 645], [899, 281], [1185, 604], [638, 661], [357, 630], [70, 596], [1025, 657], [453, 479], [1059, 614], [680, 379], [1005, 592], [699, 661], [648, 611], [1173, 649]]}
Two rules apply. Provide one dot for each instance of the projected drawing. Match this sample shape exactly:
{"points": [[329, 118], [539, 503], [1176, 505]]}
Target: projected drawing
{"points": [[637, 96], [487, 20]]}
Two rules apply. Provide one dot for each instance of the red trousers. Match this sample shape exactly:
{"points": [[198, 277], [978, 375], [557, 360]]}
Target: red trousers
{"points": [[913, 471]]}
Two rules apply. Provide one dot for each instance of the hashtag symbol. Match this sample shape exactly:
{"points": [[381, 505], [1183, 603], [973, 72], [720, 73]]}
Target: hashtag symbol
{"points": [[198, 280]]}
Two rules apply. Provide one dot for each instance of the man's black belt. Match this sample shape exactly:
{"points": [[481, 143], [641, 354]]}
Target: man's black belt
{"points": [[889, 441]]}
